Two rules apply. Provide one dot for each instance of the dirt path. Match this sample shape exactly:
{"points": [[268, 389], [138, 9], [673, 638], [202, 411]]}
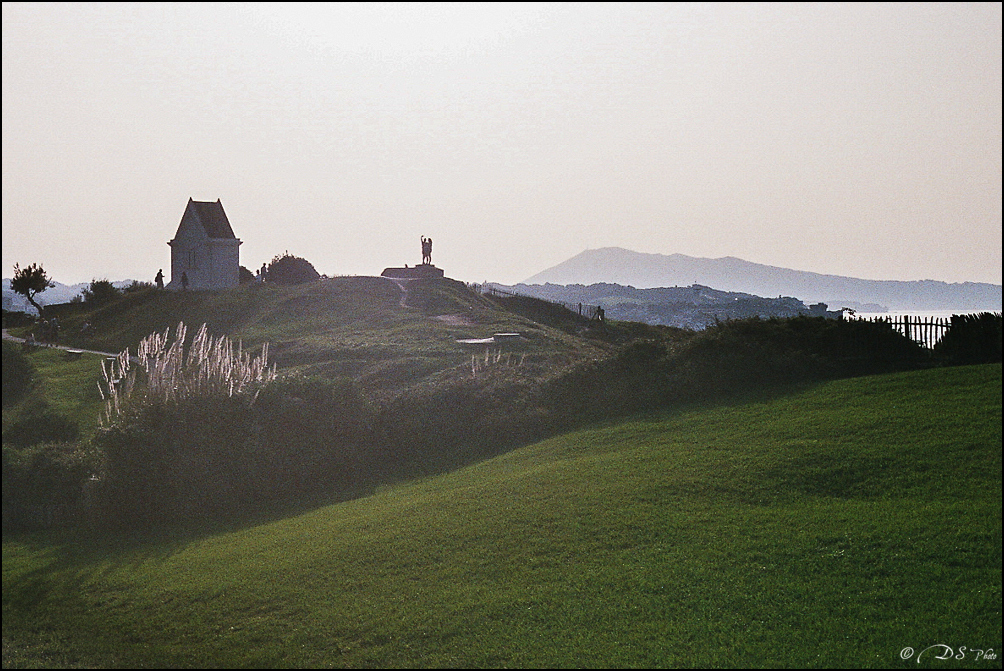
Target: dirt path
{"points": [[452, 320], [402, 284], [65, 348]]}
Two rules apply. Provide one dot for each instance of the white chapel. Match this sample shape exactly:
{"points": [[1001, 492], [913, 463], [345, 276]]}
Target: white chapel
{"points": [[205, 249]]}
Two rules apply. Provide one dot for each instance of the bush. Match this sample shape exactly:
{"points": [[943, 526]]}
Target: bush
{"points": [[17, 319], [170, 461], [17, 373], [40, 424], [136, 286], [749, 354], [288, 269], [972, 339], [218, 456], [318, 432], [180, 440], [727, 359], [100, 291], [431, 430], [43, 485]]}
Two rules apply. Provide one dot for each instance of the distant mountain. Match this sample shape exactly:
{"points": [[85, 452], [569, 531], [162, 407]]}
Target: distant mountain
{"points": [[61, 293], [622, 266]]}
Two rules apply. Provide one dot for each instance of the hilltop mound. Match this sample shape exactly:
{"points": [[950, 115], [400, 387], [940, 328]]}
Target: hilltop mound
{"points": [[384, 334]]}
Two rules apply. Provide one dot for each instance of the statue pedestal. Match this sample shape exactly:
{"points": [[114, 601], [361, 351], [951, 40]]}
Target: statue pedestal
{"points": [[416, 272]]}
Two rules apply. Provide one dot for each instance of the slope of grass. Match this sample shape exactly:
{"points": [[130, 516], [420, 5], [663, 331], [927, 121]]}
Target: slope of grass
{"points": [[358, 327], [833, 527], [65, 384]]}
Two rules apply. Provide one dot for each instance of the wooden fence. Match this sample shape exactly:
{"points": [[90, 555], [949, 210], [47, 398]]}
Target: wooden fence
{"points": [[925, 331], [589, 311]]}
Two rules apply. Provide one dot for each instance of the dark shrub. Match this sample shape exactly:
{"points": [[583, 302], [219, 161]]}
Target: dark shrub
{"points": [[166, 462], [749, 354], [136, 286], [17, 373], [972, 339], [729, 358], [316, 430], [289, 269], [100, 291], [43, 485], [222, 457], [635, 380], [246, 276], [40, 424], [431, 430], [14, 319]]}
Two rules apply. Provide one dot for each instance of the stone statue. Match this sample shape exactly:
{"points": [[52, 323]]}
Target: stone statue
{"points": [[426, 250]]}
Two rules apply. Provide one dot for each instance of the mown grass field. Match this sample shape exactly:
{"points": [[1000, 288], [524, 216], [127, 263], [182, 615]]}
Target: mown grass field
{"points": [[831, 527]]}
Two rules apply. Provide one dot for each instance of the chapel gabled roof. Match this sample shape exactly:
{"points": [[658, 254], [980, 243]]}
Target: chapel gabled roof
{"points": [[213, 218]]}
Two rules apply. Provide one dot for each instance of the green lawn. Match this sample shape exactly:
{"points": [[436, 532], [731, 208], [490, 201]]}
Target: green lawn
{"points": [[833, 527], [66, 383]]}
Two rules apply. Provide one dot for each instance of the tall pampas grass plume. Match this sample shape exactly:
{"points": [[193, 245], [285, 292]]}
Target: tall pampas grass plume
{"points": [[162, 371]]}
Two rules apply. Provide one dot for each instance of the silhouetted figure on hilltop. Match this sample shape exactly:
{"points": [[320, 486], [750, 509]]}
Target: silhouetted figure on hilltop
{"points": [[426, 250], [159, 279]]}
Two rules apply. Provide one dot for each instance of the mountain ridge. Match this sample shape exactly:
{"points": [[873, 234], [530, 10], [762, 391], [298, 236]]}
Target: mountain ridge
{"points": [[54, 295], [729, 273]]}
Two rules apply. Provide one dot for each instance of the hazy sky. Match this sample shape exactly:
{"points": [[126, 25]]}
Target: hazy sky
{"points": [[860, 140]]}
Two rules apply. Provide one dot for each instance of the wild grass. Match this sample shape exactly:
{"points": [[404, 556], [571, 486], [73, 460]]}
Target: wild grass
{"points": [[480, 363], [213, 367], [833, 527]]}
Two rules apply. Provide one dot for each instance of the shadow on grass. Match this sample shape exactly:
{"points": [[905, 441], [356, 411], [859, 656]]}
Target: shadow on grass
{"points": [[80, 546]]}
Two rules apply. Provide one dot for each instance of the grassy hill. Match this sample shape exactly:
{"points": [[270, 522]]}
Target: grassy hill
{"points": [[832, 527], [365, 328], [376, 387], [66, 385]]}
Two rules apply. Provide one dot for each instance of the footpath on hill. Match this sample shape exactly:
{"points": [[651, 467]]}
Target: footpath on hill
{"points": [[402, 284], [65, 348], [452, 320]]}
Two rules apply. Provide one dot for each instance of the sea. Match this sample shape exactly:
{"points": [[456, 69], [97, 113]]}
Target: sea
{"points": [[922, 322], [921, 314]]}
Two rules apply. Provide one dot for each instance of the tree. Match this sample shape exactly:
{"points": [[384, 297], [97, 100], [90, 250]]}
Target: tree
{"points": [[100, 291], [289, 269], [30, 281]]}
